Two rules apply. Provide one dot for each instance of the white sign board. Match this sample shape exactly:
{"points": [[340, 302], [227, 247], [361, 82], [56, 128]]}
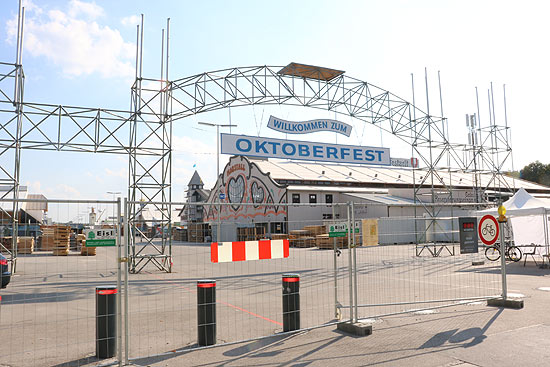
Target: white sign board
{"points": [[100, 237], [310, 126], [302, 150], [341, 229], [404, 162]]}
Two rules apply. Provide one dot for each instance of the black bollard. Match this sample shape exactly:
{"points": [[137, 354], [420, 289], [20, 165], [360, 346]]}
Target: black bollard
{"points": [[291, 302], [105, 300], [206, 312]]}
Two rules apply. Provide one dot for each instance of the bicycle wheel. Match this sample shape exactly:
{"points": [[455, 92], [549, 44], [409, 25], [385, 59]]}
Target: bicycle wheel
{"points": [[492, 253], [514, 253]]}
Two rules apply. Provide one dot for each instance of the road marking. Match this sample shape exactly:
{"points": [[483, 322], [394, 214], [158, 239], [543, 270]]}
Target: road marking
{"points": [[218, 301]]}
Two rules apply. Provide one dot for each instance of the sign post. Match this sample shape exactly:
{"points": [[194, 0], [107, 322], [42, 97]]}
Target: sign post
{"points": [[485, 230], [501, 222]]}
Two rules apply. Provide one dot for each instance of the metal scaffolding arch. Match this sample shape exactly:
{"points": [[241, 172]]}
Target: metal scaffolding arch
{"points": [[144, 133]]}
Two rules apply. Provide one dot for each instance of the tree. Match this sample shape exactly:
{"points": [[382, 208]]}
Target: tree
{"points": [[536, 172]]}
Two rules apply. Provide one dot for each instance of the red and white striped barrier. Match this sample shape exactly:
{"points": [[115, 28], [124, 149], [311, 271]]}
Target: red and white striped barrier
{"points": [[248, 250]]}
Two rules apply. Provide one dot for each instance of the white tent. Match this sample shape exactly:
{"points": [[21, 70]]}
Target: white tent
{"points": [[529, 217]]}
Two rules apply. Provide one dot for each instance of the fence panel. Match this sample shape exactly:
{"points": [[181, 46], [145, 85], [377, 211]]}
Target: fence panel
{"points": [[48, 309], [163, 306], [417, 264]]}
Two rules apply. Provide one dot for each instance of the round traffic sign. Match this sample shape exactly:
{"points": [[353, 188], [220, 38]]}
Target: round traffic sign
{"points": [[488, 229]]}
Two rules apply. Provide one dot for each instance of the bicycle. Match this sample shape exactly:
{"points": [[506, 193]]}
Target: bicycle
{"points": [[513, 253], [488, 229]]}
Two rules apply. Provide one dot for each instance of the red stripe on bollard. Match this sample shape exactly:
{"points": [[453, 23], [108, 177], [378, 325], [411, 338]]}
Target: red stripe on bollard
{"points": [[106, 291], [214, 252], [291, 280], [206, 285]]}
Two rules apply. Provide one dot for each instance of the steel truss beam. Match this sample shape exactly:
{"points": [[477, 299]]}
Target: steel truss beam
{"points": [[157, 103]]}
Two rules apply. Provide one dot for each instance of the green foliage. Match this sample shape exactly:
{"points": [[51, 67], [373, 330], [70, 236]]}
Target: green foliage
{"points": [[536, 172]]}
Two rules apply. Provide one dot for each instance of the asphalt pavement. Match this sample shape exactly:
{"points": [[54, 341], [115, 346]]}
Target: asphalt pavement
{"points": [[463, 335]]}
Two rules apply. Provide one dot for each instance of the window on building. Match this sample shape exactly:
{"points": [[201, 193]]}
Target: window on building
{"points": [[312, 198], [327, 216], [328, 198], [278, 227], [295, 198]]}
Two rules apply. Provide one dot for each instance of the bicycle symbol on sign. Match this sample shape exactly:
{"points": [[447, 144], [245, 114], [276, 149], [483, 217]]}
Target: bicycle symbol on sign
{"points": [[488, 230]]}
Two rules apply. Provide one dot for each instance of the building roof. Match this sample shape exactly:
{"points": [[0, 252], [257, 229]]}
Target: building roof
{"points": [[34, 209], [195, 179], [317, 174], [388, 200], [341, 189]]}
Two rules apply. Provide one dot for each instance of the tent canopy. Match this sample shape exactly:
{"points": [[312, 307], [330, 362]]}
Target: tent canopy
{"points": [[529, 220], [528, 217], [522, 203]]}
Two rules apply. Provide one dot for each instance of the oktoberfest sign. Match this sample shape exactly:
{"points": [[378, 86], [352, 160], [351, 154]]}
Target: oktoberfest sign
{"points": [[304, 127], [254, 146]]}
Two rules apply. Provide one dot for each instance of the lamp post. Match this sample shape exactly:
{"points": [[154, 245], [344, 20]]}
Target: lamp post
{"points": [[217, 166]]}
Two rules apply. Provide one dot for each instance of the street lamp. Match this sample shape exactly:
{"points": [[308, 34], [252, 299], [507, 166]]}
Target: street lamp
{"points": [[217, 164]]}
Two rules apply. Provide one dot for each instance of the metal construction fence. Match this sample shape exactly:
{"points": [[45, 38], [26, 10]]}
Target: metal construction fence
{"points": [[342, 265], [48, 310]]}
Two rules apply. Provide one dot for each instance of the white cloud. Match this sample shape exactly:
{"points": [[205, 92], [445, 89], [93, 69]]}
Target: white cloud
{"points": [[59, 191], [122, 173], [66, 191], [91, 10], [73, 40], [34, 187], [131, 20]]}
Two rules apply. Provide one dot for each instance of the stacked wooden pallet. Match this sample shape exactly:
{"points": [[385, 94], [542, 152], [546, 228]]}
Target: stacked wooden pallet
{"points": [[25, 245], [250, 233], [315, 230], [85, 251], [301, 238], [61, 239], [279, 236], [80, 239], [48, 234], [325, 242], [196, 232], [179, 234]]}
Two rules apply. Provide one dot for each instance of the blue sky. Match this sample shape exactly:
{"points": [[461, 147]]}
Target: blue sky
{"points": [[82, 53]]}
